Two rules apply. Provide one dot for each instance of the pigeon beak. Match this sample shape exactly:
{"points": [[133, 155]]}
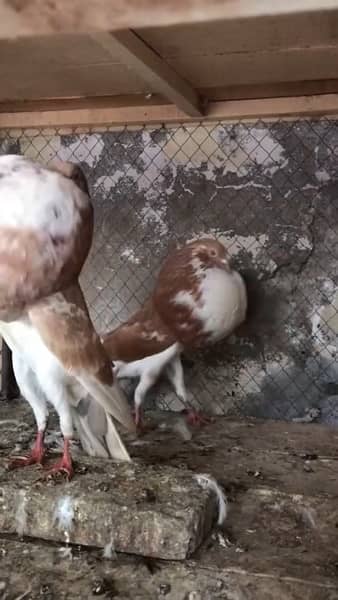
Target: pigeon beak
{"points": [[223, 263]]}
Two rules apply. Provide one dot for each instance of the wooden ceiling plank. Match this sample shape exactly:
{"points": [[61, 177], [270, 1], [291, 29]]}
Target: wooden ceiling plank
{"points": [[34, 17], [270, 90], [243, 68], [268, 33], [92, 115], [246, 92], [151, 68]]}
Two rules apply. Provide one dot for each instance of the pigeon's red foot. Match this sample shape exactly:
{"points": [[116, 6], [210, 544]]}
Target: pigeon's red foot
{"points": [[64, 466], [36, 455], [195, 418], [137, 415]]}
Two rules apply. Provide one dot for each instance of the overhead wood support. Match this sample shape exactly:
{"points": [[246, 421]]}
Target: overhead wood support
{"points": [[36, 17], [152, 69], [93, 114]]}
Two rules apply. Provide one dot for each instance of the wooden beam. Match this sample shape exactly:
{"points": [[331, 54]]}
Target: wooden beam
{"points": [[270, 90], [51, 76], [240, 92], [152, 69], [93, 116], [241, 68], [78, 103], [265, 34], [215, 94], [36, 17]]}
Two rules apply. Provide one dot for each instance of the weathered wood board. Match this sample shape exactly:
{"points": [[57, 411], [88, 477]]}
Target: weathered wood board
{"points": [[139, 509]]}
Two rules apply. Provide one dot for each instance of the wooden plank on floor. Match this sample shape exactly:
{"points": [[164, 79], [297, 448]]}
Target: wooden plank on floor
{"points": [[151, 511]]}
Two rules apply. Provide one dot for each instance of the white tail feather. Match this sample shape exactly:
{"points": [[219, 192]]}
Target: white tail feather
{"points": [[90, 442], [111, 398], [102, 439], [115, 404], [119, 453], [209, 483]]}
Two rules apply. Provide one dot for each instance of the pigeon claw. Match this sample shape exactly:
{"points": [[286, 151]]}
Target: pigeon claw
{"points": [[18, 462], [35, 457], [59, 470], [64, 466], [195, 418]]}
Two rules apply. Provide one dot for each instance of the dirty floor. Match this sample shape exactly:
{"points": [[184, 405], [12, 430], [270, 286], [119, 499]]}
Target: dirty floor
{"points": [[279, 541]]}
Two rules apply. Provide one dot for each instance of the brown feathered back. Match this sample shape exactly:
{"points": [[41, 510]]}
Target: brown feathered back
{"points": [[142, 335]]}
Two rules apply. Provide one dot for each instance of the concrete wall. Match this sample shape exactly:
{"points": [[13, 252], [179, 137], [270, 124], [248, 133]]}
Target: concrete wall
{"points": [[269, 191]]}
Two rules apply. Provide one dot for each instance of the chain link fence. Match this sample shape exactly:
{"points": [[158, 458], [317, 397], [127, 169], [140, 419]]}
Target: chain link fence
{"points": [[269, 192]]}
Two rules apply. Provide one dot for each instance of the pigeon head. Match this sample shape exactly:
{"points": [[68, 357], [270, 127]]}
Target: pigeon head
{"points": [[212, 254]]}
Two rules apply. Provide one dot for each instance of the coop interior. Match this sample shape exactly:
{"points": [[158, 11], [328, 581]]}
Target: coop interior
{"points": [[189, 120]]}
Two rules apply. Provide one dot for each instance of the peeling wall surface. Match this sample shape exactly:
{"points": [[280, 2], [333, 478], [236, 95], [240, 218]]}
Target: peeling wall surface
{"points": [[269, 191]]}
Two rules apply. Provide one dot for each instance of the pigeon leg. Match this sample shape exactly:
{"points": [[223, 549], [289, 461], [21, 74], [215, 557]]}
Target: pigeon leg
{"points": [[64, 465], [35, 456], [34, 395], [146, 381], [137, 415], [175, 375], [57, 394]]}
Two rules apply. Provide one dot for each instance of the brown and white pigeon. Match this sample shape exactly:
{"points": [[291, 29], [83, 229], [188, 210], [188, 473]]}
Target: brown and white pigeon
{"points": [[198, 299], [46, 228]]}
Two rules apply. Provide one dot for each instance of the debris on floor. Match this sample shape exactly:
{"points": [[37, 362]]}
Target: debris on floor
{"points": [[278, 539]]}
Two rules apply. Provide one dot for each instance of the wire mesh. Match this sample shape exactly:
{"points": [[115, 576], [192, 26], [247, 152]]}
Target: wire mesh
{"points": [[269, 191]]}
